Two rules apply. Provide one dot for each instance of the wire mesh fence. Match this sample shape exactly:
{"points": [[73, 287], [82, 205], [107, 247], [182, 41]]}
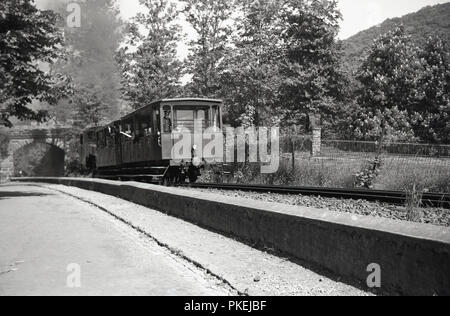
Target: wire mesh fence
{"points": [[392, 166], [354, 164], [398, 149]]}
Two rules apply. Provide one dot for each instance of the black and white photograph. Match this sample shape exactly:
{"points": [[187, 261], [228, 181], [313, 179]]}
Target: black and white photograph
{"points": [[224, 156]]}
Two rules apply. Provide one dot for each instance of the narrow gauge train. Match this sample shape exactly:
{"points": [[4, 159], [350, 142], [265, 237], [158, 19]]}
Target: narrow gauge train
{"points": [[139, 145]]}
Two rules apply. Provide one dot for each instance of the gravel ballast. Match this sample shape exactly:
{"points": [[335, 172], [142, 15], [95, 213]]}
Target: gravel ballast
{"points": [[434, 216]]}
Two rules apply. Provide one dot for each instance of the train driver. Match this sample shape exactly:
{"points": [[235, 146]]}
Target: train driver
{"points": [[167, 121]]}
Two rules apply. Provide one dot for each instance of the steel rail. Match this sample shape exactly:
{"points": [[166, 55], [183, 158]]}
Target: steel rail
{"points": [[392, 197]]}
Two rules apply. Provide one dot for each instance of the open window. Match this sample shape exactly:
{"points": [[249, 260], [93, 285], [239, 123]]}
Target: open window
{"points": [[215, 117], [184, 119], [101, 139], [167, 119], [202, 116], [128, 128], [156, 120], [144, 125]]}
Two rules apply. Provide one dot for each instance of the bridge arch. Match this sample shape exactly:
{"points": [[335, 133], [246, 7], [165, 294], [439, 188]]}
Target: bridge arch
{"points": [[38, 159], [54, 139]]}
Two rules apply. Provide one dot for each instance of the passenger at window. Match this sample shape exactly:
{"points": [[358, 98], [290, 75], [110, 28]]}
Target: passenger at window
{"points": [[167, 121]]}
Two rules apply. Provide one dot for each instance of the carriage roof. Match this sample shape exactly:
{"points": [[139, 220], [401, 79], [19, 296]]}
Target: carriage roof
{"points": [[171, 101]]}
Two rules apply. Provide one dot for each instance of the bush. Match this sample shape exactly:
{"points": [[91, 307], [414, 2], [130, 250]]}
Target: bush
{"points": [[74, 168], [211, 174], [366, 178], [4, 143]]}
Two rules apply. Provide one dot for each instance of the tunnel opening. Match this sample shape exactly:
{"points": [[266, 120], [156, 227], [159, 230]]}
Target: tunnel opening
{"points": [[39, 160]]}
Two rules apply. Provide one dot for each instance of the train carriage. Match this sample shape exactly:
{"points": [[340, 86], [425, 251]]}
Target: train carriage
{"points": [[140, 145]]}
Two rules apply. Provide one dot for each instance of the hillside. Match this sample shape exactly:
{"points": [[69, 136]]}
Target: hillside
{"points": [[422, 24]]}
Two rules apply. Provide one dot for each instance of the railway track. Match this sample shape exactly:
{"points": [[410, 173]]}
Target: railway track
{"points": [[392, 197]]}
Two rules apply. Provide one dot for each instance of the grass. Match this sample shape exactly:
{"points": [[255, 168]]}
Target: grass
{"points": [[413, 203], [399, 173], [423, 174]]}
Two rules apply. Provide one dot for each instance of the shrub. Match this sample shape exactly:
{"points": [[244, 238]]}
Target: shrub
{"points": [[74, 168], [4, 143], [366, 178]]}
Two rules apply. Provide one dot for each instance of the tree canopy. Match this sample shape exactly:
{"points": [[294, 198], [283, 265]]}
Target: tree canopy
{"points": [[210, 19], [90, 63], [150, 67], [28, 38], [404, 91], [434, 106], [273, 62], [251, 78], [313, 78]]}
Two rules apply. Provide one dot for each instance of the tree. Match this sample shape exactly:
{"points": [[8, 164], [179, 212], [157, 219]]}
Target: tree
{"points": [[434, 106], [381, 125], [251, 80], [209, 19], [28, 38], [90, 62], [313, 78], [389, 87], [389, 75], [152, 70], [403, 93]]}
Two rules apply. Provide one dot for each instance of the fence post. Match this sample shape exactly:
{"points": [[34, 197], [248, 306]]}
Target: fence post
{"points": [[293, 153], [316, 128], [316, 141]]}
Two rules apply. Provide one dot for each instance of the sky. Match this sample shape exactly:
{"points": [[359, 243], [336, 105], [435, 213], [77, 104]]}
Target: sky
{"points": [[362, 14]]}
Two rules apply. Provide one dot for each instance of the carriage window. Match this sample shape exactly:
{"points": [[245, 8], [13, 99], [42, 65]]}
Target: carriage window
{"points": [[203, 117], [144, 125], [167, 120], [109, 137], [91, 136], [102, 139], [215, 115], [184, 115], [128, 129], [157, 120], [184, 119]]}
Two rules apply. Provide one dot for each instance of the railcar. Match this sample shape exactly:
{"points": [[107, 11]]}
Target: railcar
{"points": [[140, 146]]}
